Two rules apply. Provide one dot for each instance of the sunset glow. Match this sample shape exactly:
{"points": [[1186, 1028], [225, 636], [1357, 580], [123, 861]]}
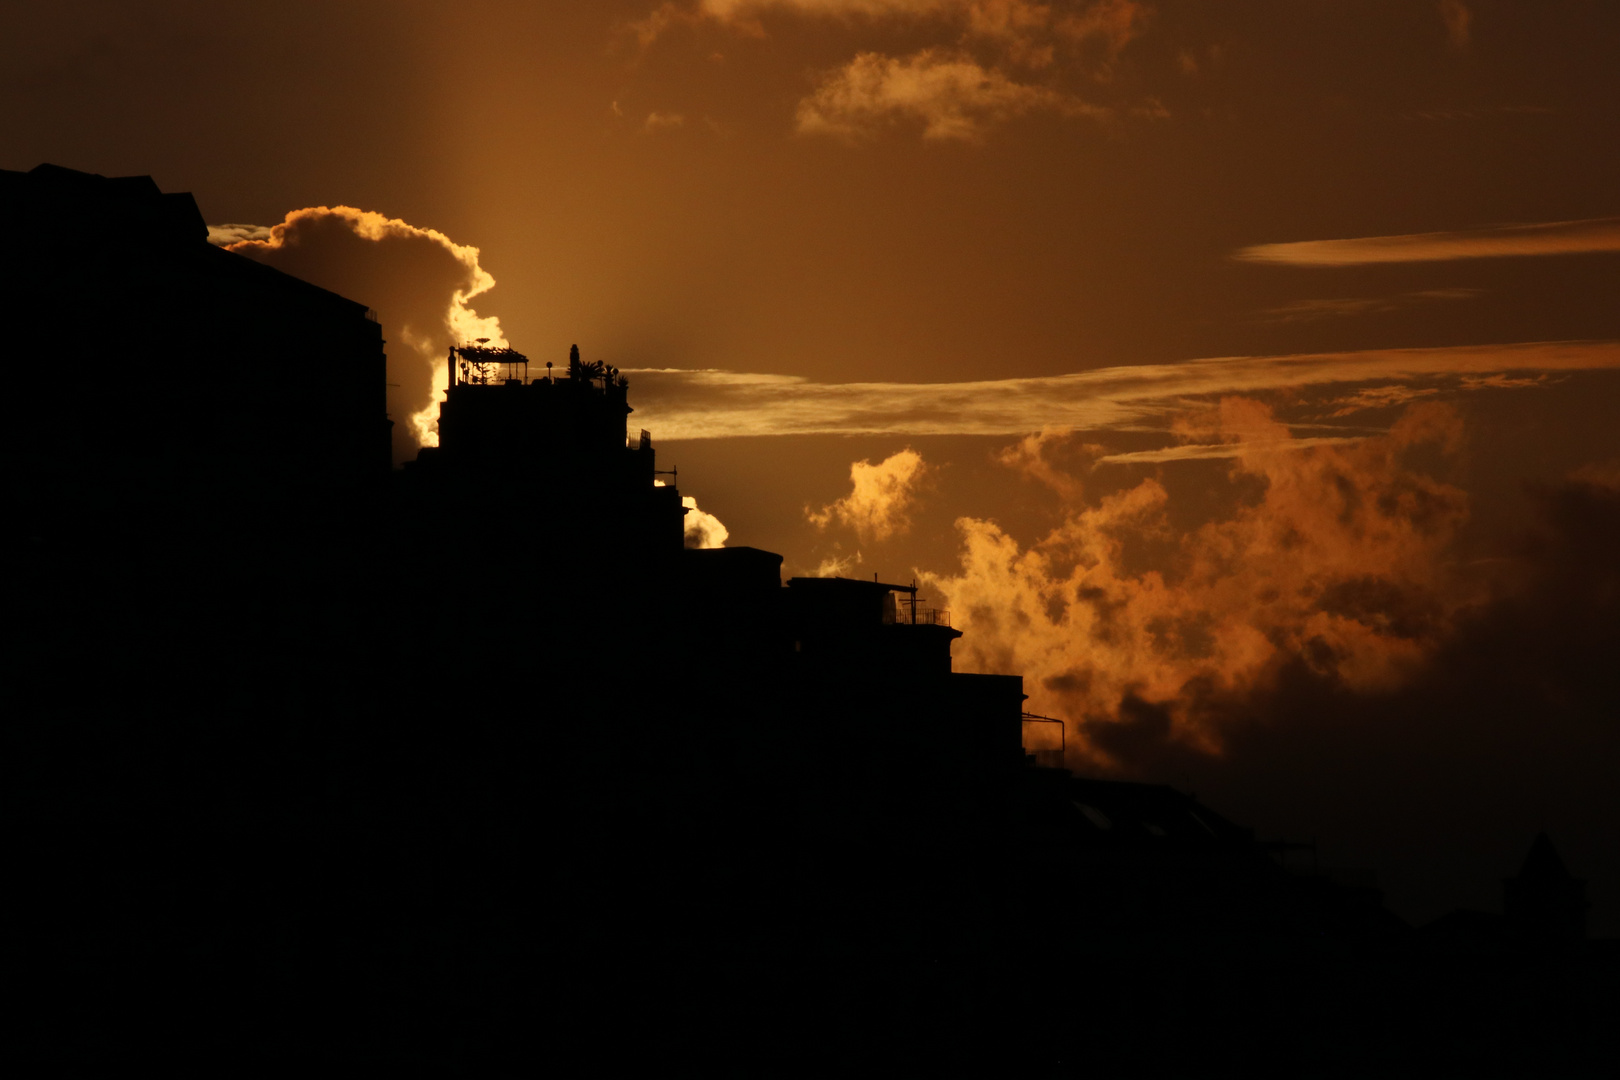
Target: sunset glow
{"points": [[1243, 375]]}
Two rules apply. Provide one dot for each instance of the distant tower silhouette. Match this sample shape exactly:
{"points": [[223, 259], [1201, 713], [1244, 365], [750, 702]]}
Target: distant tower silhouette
{"points": [[1544, 901]]}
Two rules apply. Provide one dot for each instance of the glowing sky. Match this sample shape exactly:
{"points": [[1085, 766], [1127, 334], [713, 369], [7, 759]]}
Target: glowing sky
{"points": [[1191, 353]]}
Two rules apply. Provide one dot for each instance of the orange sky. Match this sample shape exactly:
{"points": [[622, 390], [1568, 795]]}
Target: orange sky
{"points": [[1176, 302]]}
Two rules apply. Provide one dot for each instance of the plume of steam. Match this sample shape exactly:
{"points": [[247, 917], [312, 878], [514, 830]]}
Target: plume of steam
{"points": [[420, 281], [880, 499], [703, 530], [1342, 564]]}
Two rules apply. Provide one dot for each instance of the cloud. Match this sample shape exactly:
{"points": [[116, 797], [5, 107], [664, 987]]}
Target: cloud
{"points": [[1033, 457], [650, 27], [1546, 238], [657, 121], [836, 566], [703, 530], [681, 404], [958, 84], [1384, 397], [1197, 451], [951, 95], [226, 235], [1115, 23], [733, 10], [419, 280], [1511, 715], [1341, 565], [881, 497], [1311, 310], [1459, 22]]}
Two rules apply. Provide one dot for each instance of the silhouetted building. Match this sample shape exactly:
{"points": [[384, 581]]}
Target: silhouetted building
{"points": [[1544, 901], [145, 349]]}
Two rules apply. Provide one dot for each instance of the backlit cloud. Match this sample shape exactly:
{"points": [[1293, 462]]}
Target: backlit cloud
{"points": [[681, 404], [419, 281], [1546, 238], [703, 530], [880, 499], [1342, 564]]}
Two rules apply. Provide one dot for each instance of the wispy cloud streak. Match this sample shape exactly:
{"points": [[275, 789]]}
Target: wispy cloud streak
{"points": [[710, 404], [1545, 238]]}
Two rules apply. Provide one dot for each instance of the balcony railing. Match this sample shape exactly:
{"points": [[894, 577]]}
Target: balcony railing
{"points": [[904, 615]]}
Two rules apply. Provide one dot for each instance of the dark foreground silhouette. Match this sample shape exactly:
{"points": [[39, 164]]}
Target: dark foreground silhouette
{"points": [[474, 765]]}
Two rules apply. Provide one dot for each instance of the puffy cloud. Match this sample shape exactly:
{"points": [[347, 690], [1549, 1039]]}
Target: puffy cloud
{"points": [[1459, 22], [1544, 238], [419, 281], [958, 85], [881, 497], [950, 94], [707, 404], [1507, 727], [1032, 456], [1341, 565], [703, 530]]}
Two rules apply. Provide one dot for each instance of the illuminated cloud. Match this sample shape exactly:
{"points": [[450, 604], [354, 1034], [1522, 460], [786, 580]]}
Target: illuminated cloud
{"points": [[1197, 451], [681, 404], [1342, 565], [657, 121], [419, 280], [1546, 238], [837, 566], [881, 497], [226, 235], [1459, 22], [1033, 457], [951, 95], [1384, 397], [956, 86], [703, 530]]}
